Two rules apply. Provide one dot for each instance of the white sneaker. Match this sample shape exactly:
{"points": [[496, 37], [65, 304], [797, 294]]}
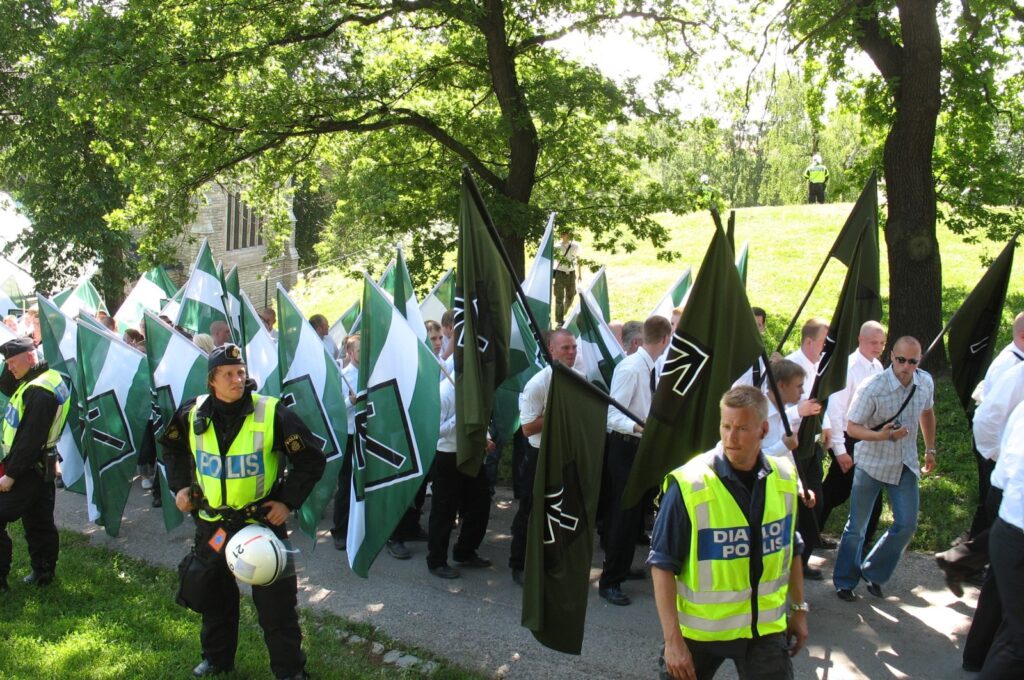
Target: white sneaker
{"points": [[147, 483]]}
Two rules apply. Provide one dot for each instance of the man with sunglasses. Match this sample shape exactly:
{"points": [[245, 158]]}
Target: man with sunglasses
{"points": [[884, 417]]}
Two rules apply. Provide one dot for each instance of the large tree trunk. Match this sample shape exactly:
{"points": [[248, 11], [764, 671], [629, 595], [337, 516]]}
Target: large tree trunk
{"points": [[912, 70], [915, 268]]}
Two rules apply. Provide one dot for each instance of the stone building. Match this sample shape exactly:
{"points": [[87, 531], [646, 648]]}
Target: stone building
{"points": [[233, 230]]}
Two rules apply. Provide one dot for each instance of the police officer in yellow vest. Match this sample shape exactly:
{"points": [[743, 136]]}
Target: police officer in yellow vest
{"points": [[816, 175], [726, 584], [226, 454], [35, 416]]}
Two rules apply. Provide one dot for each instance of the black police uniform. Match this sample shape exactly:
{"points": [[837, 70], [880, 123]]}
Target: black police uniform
{"points": [[275, 603], [31, 499]]}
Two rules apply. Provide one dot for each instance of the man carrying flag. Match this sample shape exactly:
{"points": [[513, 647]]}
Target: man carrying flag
{"points": [[226, 454], [38, 406]]}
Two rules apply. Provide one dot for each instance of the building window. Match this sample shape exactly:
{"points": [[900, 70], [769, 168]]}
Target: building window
{"points": [[245, 227]]}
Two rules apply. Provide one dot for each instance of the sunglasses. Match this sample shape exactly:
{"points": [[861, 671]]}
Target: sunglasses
{"points": [[905, 360]]}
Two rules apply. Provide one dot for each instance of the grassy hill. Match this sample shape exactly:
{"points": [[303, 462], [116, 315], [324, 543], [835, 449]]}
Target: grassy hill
{"points": [[787, 245]]}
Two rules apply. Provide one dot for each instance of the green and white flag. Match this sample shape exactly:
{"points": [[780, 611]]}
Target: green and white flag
{"points": [[345, 326], [676, 296], [387, 279], [12, 299], [599, 352], [6, 334], [151, 292], [537, 285], [202, 300], [598, 290], [440, 299], [177, 373], [233, 304], [397, 421], [524, 360], [173, 306], [311, 386], [84, 297], [116, 405], [741, 261], [259, 351], [87, 319], [405, 298], [60, 347]]}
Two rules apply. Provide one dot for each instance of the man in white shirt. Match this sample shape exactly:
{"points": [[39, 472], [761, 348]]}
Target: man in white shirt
{"points": [[343, 496], [1006, 548], [567, 271], [632, 386], [532, 401], [862, 364], [320, 325], [807, 356]]}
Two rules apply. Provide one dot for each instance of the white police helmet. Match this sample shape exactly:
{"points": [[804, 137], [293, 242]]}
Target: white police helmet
{"points": [[256, 556]]}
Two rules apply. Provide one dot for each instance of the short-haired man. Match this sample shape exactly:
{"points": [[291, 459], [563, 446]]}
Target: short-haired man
{"points": [[632, 386], [862, 364], [269, 317], [884, 418], [725, 555], [35, 417], [322, 328], [435, 336], [632, 336], [235, 423], [567, 271], [808, 356], [532, 401], [220, 332]]}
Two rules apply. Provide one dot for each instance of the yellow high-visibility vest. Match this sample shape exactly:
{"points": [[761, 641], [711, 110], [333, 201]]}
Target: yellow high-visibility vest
{"points": [[52, 382], [714, 596], [816, 174], [247, 472]]}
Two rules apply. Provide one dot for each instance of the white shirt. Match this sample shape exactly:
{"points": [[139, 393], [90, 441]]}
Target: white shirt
{"points": [[772, 444], [747, 379], [565, 256], [446, 435], [350, 381], [1010, 469], [990, 419], [811, 369], [858, 369], [1004, 361], [631, 387], [533, 399], [331, 347]]}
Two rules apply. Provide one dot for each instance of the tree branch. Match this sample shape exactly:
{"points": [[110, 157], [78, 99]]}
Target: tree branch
{"points": [[887, 56]]}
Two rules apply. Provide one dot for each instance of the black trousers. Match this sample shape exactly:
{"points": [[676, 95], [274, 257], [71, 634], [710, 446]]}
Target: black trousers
{"points": [[1006, 656], [31, 500], [982, 521], [524, 475], [815, 192], [275, 606], [762, 658], [989, 613], [455, 492], [808, 520], [620, 525], [343, 496], [836, 488]]}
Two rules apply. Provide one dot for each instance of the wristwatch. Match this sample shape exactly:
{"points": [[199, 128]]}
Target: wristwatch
{"points": [[801, 607]]}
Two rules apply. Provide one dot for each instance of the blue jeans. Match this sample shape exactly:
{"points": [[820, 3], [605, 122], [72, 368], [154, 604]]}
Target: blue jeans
{"points": [[881, 562]]}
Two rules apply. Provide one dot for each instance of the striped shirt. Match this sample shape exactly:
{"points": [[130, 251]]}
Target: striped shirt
{"points": [[878, 400]]}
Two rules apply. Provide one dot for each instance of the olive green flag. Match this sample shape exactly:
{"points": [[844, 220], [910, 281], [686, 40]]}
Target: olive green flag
{"points": [[863, 220], [715, 342], [560, 538], [483, 325]]}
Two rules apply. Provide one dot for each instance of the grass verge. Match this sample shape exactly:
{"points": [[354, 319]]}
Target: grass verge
{"points": [[110, 616]]}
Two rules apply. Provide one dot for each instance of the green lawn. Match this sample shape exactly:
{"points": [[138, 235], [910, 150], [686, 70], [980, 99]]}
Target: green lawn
{"points": [[787, 245], [109, 616]]}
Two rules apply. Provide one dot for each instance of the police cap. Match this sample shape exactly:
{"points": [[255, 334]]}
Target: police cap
{"points": [[13, 348], [225, 355]]}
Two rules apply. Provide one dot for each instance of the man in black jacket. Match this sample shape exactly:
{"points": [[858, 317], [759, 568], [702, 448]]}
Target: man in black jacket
{"points": [[226, 455], [38, 408]]}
